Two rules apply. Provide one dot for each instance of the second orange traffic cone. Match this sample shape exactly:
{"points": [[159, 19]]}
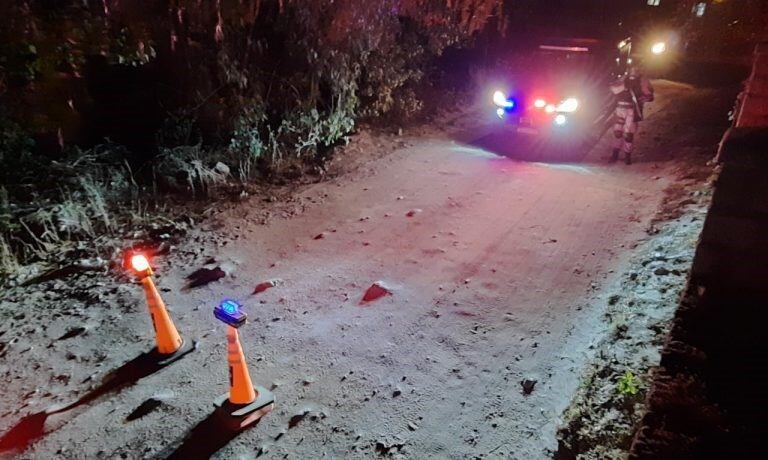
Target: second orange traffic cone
{"points": [[245, 403], [241, 390]]}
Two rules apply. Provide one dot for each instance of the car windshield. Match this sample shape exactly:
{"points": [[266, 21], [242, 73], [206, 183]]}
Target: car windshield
{"points": [[551, 61], [567, 65]]}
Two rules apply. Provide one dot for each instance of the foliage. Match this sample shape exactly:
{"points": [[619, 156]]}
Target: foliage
{"points": [[627, 384], [18, 61], [179, 128], [258, 86], [186, 168], [727, 28], [15, 147], [328, 62], [8, 261]]}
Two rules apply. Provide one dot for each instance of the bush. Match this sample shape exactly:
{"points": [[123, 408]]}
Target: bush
{"points": [[16, 147], [188, 169], [258, 86], [627, 384], [302, 61]]}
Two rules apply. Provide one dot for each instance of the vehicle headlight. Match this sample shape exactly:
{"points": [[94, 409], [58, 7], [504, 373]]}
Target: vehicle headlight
{"points": [[560, 119], [500, 113], [539, 103], [500, 99], [569, 105], [658, 48]]}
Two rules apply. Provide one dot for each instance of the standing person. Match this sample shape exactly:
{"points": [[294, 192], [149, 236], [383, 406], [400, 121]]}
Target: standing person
{"points": [[632, 91]]}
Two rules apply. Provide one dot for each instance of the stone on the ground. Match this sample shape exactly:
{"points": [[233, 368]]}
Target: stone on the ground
{"points": [[528, 384], [221, 168], [145, 408], [203, 276], [74, 332], [412, 212], [261, 287], [376, 291]]}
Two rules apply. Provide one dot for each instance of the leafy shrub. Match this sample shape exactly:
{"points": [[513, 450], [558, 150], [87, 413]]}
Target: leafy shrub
{"points": [[258, 85], [187, 168], [5, 211], [246, 145], [627, 384], [15, 149], [179, 128], [8, 261]]}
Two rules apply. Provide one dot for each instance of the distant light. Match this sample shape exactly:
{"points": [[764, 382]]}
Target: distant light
{"points": [[560, 120], [501, 100], [139, 263], [539, 103], [622, 44], [659, 48], [569, 105], [550, 108], [500, 113], [700, 9], [629, 61]]}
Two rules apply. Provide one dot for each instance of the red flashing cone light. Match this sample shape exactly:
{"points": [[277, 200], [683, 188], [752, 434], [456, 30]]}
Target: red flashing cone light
{"points": [[245, 403], [170, 345]]}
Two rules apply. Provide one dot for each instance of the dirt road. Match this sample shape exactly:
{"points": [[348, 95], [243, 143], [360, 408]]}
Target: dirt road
{"points": [[499, 271]]}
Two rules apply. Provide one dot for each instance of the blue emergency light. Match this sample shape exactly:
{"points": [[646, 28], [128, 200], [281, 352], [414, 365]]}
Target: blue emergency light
{"points": [[504, 102], [229, 312]]}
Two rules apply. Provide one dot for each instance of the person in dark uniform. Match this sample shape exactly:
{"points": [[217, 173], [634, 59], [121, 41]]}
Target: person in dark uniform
{"points": [[632, 91]]}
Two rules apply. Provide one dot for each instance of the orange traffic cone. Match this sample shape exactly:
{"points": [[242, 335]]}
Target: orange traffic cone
{"points": [[167, 337], [245, 403], [170, 345], [241, 389]]}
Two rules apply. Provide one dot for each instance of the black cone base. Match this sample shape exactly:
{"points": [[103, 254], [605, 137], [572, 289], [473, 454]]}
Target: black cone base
{"points": [[239, 416], [166, 359]]}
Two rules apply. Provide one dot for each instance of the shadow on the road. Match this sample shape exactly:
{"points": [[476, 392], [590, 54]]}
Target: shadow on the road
{"points": [[205, 439], [565, 148], [32, 426], [536, 148]]}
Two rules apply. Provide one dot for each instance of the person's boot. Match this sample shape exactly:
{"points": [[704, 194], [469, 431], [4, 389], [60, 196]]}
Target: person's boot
{"points": [[628, 158], [614, 156]]}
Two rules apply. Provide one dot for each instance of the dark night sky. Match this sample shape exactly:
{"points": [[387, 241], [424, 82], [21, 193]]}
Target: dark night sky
{"points": [[579, 17]]}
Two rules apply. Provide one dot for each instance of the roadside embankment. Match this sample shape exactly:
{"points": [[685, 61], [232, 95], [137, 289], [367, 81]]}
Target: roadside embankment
{"points": [[708, 399]]}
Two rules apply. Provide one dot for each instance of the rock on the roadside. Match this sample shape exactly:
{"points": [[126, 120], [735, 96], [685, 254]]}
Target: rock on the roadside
{"points": [[528, 384], [413, 212], [203, 276], [73, 332], [261, 287], [145, 408], [376, 291], [221, 168]]}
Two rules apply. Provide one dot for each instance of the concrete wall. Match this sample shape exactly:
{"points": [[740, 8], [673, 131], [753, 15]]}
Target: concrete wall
{"points": [[709, 397], [753, 110]]}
